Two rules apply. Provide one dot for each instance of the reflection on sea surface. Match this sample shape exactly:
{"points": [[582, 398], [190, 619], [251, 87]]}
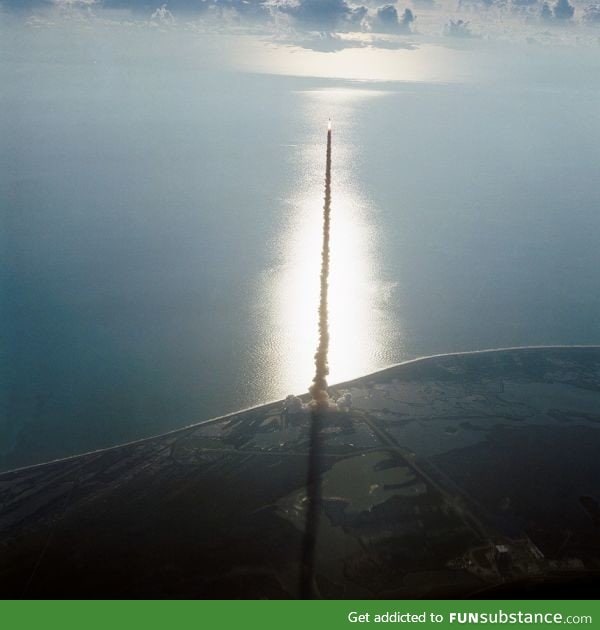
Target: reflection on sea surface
{"points": [[355, 58], [358, 328]]}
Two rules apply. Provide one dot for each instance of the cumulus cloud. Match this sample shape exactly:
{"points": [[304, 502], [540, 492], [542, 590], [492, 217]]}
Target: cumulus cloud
{"points": [[457, 28], [563, 10], [335, 25], [324, 15], [339, 16], [387, 16], [163, 15], [591, 14], [546, 11], [408, 17], [386, 20]]}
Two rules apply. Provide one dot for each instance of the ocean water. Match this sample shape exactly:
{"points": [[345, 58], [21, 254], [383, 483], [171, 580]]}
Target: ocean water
{"points": [[161, 226]]}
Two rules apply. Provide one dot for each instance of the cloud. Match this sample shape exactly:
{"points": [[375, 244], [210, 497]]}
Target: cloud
{"points": [[563, 10], [324, 15], [255, 9], [546, 12], [320, 25], [25, 4], [524, 3], [477, 4], [386, 20], [163, 15], [591, 14], [339, 16], [457, 28], [330, 25], [387, 16], [243, 7]]}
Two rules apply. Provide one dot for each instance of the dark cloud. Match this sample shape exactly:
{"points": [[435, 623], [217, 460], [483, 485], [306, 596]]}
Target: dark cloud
{"points": [[407, 19], [563, 10], [324, 15], [387, 15]]}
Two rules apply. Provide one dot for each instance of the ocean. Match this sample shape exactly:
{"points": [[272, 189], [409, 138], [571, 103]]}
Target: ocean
{"points": [[161, 226]]}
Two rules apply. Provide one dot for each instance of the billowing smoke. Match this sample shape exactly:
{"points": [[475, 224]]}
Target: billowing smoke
{"points": [[318, 389], [344, 402], [293, 404]]}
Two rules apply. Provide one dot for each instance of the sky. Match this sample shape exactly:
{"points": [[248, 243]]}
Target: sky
{"points": [[333, 25]]}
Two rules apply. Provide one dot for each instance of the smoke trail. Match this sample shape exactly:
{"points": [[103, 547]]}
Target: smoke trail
{"points": [[319, 405], [318, 389]]}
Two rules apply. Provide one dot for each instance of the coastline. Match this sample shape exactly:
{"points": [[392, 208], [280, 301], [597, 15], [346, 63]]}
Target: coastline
{"points": [[266, 404]]}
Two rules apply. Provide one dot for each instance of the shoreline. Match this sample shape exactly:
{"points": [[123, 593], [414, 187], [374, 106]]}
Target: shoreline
{"points": [[276, 401]]}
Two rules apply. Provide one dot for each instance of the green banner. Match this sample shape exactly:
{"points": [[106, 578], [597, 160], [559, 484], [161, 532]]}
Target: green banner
{"points": [[309, 615]]}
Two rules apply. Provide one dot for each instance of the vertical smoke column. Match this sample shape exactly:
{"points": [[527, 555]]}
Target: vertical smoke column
{"points": [[319, 405], [318, 389]]}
